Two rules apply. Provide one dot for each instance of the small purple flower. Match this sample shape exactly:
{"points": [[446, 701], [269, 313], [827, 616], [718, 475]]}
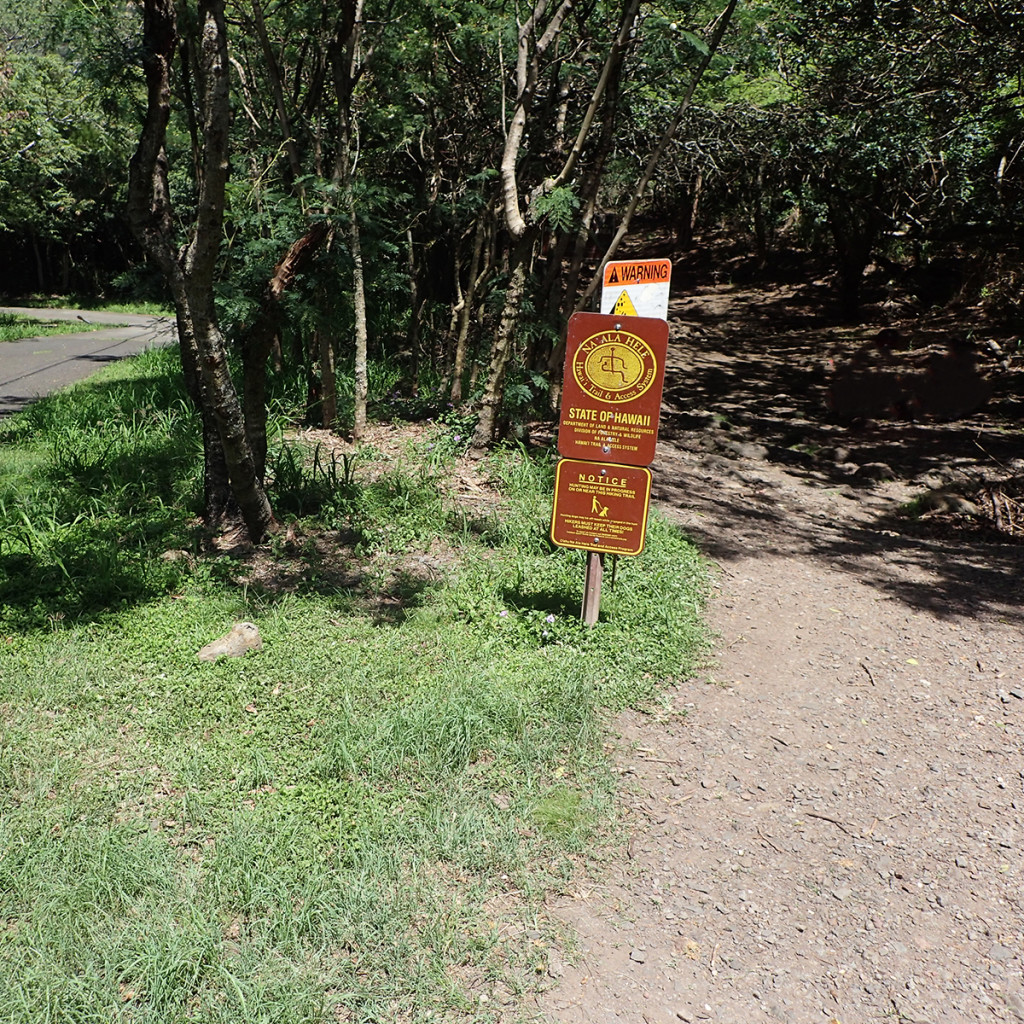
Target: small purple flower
{"points": [[549, 618], [503, 614], [458, 437]]}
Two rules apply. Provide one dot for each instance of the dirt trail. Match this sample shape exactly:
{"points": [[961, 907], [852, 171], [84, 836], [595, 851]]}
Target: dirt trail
{"points": [[833, 830]]}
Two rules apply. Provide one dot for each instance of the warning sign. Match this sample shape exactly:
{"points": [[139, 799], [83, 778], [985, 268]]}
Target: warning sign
{"points": [[637, 288], [624, 306], [611, 392], [600, 507]]}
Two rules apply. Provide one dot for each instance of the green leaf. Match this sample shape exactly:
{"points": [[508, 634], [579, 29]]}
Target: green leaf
{"points": [[696, 42], [559, 206]]}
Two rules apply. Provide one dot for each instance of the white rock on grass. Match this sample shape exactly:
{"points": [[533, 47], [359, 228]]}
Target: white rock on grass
{"points": [[244, 637]]}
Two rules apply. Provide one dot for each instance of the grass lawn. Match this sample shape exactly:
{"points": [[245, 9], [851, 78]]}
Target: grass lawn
{"points": [[90, 302], [14, 328], [362, 821]]}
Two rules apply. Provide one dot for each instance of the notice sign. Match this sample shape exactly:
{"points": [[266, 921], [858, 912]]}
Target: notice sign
{"points": [[637, 288], [611, 391], [601, 507]]}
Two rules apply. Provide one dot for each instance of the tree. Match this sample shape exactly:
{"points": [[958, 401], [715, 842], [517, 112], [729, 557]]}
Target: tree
{"points": [[875, 122], [559, 178], [231, 471], [348, 65], [63, 141], [465, 168], [534, 40]]}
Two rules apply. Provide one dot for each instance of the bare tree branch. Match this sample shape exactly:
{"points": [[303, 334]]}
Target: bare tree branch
{"points": [[652, 161]]}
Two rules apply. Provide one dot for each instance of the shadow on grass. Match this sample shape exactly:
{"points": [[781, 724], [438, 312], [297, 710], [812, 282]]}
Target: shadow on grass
{"points": [[86, 548], [551, 602], [96, 483], [384, 590]]}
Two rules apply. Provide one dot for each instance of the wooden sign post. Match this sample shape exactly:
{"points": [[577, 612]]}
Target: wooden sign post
{"points": [[611, 403], [592, 588]]}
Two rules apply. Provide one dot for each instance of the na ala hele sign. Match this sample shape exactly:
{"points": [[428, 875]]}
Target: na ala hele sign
{"points": [[611, 397], [611, 401]]}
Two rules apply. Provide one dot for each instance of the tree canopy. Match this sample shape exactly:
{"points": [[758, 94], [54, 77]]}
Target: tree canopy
{"points": [[394, 202]]}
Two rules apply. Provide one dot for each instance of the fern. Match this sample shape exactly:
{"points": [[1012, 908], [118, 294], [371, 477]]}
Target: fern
{"points": [[559, 207]]}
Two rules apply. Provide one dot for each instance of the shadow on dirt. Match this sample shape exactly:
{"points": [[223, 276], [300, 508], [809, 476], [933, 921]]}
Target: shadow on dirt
{"points": [[754, 448]]}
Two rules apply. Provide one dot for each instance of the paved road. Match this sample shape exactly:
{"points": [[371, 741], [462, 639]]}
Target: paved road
{"points": [[34, 367]]}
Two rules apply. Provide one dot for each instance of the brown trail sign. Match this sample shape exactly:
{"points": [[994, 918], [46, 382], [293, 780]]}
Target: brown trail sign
{"points": [[600, 508], [611, 391], [608, 432]]}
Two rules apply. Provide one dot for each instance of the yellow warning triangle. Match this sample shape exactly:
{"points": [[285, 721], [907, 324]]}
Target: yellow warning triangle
{"points": [[623, 306]]}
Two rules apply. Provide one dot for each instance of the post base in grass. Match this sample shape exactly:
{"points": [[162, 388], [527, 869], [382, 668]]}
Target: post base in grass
{"points": [[592, 588]]}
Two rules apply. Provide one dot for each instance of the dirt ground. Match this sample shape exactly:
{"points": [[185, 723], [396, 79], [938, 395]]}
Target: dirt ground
{"points": [[830, 829]]}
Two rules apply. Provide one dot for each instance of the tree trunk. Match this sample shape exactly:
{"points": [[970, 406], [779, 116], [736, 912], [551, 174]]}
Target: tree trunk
{"points": [[348, 65], [328, 381], [760, 222], [412, 334], [533, 45], [200, 262], [218, 504], [191, 275], [855, 222], [504, 343], [853, 244], [221, 399], [362, 383], [465, 313], [40, 269], [686, 222], [589, 193], [258, 341], [531, 49]]}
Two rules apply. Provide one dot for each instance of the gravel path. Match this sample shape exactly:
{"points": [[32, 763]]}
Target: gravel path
{"points": [[829, 827]]}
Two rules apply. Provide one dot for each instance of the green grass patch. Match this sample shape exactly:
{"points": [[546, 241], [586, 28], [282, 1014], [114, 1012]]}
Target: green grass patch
{"points": [[15, 328], [96, 482], [139, 307], [355, 823]]}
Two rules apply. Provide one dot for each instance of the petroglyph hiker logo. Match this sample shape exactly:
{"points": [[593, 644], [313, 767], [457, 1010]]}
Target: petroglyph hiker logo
{"points": [[615, 366]]}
